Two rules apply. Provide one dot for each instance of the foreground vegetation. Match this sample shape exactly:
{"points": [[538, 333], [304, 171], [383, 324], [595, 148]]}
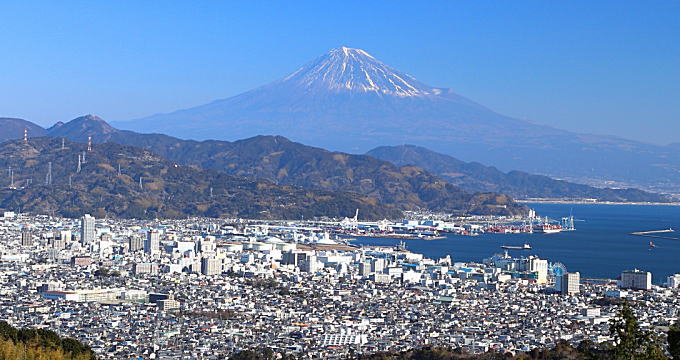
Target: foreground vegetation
{"points": [[39, 344]]}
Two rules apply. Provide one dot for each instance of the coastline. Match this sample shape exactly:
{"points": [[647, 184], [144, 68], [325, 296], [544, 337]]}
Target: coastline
{"points": [[586, 202]]}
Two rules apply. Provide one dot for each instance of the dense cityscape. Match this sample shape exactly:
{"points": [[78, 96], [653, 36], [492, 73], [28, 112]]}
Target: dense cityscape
{"points": [[206, 288], [340, 180]]}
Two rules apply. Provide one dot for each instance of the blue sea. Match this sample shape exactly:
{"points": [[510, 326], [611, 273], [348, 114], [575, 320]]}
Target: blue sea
{"points": [[601, 246]]}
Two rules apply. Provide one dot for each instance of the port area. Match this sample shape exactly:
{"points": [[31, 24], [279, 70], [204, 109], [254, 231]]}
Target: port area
{"points": [[402, 236], [656, 234]]}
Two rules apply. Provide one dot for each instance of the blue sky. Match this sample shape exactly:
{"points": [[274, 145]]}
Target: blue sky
{"points": [[608, 67]]}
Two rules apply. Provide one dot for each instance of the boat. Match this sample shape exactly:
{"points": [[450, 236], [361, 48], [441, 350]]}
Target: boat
{"points": [[512, 247], [547, 229]]}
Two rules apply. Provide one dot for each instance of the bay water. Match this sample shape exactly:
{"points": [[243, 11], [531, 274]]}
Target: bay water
{"points": [[601, 247]]}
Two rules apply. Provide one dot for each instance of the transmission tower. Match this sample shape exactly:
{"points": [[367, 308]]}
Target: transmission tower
{"points": [[48, 177]]}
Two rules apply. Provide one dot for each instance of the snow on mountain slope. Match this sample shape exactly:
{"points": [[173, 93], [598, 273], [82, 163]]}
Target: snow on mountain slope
{"points": [[348, 100], [347, 69]]}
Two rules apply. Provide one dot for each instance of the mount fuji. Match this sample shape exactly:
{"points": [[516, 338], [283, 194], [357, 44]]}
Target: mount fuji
{"points": [[347, 100]]}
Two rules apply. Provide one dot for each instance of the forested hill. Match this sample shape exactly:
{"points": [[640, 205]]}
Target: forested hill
{"points": [[124, 181], [290, 163]]}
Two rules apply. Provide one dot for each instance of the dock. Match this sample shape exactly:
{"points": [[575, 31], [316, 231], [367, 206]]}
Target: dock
{"points": [[655, 234]]}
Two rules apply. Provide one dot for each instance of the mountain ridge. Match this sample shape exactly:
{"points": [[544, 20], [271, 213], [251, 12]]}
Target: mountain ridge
{"points": [[125, 181], [287, 163], [473, 176], [303, 107], [206, 154], [13, 128]]}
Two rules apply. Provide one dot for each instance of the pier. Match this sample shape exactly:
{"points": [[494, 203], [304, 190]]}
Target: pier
{"points": [[655, 234]]}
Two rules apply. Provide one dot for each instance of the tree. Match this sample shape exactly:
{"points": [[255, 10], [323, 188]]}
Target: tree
{"points": [[632, 343], [674, 340]]}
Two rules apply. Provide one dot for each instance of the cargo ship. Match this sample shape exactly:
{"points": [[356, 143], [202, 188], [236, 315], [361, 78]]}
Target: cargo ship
{"points": [[547, 229], [511, 247]]}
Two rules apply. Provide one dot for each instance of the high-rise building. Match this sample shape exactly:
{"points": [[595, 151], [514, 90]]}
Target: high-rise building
{"points": [[210, 266], [636, 280], [673, 281], [87, 230], [65, 235], [26, 238], [570, 283], [364, 268], [293, 258], [58, 243], [377, 265], [311, 264], [205, 245], [135, 243], [535, 266], [152, 245]]}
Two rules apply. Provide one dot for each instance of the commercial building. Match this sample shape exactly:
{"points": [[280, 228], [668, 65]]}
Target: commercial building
{"points": [[673, 281], [378, 265], [211, 266], [146, 268], [152, 244], [570, 283], [87, 229], [57, 243], [636, 280], [81, 260], [135, 243], [533, 267], [26, 238], [168, 304]]}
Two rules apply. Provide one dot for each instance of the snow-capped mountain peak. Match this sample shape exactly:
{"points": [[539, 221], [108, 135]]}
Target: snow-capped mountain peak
{"points": [[347, 69]]}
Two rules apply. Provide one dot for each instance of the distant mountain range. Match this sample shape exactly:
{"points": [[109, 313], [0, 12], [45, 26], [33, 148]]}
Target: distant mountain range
{"points": [[287, 163], [404, 185], [348, 100], [124, 181], [475, 177], [291, 163]]}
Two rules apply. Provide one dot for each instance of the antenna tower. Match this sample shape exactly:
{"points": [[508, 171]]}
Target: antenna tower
{"points": [[25, 135], [89, 143]]}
